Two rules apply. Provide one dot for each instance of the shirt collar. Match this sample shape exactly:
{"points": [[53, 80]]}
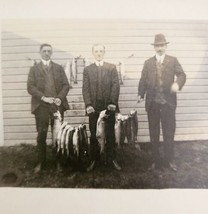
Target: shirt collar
{"points": [[99, 63], [160, 58], [46, 62]]}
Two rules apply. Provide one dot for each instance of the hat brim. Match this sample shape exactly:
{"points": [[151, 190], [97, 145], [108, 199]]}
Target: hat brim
{"points": [[10, 178], [160, 43]]}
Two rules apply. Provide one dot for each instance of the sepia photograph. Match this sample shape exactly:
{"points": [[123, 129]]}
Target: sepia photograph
{"points": [[104, 104]]}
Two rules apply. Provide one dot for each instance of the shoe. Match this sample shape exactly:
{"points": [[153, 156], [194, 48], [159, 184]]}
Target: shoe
{"points": [[116, 165], [38, 168], [91, 166]]}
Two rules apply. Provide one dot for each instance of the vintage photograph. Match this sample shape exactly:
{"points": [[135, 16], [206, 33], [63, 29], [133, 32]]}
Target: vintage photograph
{"points": [[104, 104]]}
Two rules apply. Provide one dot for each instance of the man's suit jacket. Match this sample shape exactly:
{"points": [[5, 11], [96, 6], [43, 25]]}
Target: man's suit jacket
{"points": [[36, 84], [170, 69], [110, 85]]}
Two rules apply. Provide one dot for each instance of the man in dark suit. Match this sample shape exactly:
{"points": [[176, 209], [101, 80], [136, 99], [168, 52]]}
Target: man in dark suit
{"points": [[162, 77], [48, 85], [100, 92]]}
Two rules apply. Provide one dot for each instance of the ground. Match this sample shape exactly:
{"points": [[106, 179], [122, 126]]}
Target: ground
{"points": [[191, 159]]}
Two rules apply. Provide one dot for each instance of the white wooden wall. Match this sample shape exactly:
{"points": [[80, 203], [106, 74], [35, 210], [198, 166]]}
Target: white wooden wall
{"points": [[128, 41]]}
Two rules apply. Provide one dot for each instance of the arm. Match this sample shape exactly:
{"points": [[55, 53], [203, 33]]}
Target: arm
{"points": [[31, 86], [181, 76], [86, 88], [65, 85]]}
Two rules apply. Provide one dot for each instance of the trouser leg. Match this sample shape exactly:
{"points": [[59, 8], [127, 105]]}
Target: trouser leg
{"points": [[42, 123], [154, 129], [94, 148], [168, 128]]}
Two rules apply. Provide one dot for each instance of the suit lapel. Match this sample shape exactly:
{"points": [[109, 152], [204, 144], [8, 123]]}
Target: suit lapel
{"points": [[166, 60], [164, 64], [154, 65], [56, 74], [153, 70], [52, 69], [40, 66], [105, 70], [94, 71]]}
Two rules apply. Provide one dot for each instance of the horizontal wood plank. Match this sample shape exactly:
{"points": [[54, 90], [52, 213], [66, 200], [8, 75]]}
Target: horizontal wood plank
{"points": [[128, 41]]}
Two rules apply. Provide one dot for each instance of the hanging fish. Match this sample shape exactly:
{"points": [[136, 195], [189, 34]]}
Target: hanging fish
{"points": [[85, 135], [124, 120], [68, 139], [118, 130], [63, 137], [70, 144], [59, 136], [75, 141], [74, 69], [33, 61], [80, 139], [56, 126], [100, 131], [83, 140], [67, 69], [134, 125], [86, 62], [121, 71]]}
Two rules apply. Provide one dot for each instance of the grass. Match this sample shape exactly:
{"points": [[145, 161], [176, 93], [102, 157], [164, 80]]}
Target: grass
{"points": [[191, 159]]}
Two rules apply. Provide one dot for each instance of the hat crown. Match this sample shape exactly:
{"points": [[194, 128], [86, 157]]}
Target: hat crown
{"points": [[160, 39]]}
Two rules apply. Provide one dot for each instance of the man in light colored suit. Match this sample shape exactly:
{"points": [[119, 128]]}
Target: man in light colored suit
{"points": [[100, 92], [48, 85], [162, 77]]}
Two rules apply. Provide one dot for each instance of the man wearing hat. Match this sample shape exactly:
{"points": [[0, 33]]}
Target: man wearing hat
{"points": [[162, 77]]}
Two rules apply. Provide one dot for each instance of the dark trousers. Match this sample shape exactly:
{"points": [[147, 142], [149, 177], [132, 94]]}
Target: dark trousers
{"points": [[165, 114], [44, 117], [110, 146]]}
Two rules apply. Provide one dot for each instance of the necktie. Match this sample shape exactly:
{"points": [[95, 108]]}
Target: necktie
{"points": [[159, 74], [46, 67], [159, 61]]}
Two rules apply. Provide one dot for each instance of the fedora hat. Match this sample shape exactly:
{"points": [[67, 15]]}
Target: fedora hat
{"points": [[160, 40]]}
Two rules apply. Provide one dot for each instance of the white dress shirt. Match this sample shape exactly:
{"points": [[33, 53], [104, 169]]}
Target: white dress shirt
{"points": [[46, 62], [160, 58], [99, 63]]}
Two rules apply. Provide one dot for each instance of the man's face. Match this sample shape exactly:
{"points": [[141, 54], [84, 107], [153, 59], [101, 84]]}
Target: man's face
{"points": [[46, 53], [98, 52], [160, 49]]}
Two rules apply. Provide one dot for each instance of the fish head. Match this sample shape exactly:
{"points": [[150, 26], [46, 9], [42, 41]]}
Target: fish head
{"points": [[125, 117], [119, 116], [102, 114], [133, 113], [84, 126], [57, 115]]}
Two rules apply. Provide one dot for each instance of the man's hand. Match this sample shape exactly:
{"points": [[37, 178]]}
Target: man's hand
{"points": [[111, 107], [139, 99], [49, 100], [90, 110], [174, 87], [57, 101]]}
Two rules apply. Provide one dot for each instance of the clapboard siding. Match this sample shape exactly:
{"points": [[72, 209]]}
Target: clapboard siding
{"points": [[127, 41]]}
